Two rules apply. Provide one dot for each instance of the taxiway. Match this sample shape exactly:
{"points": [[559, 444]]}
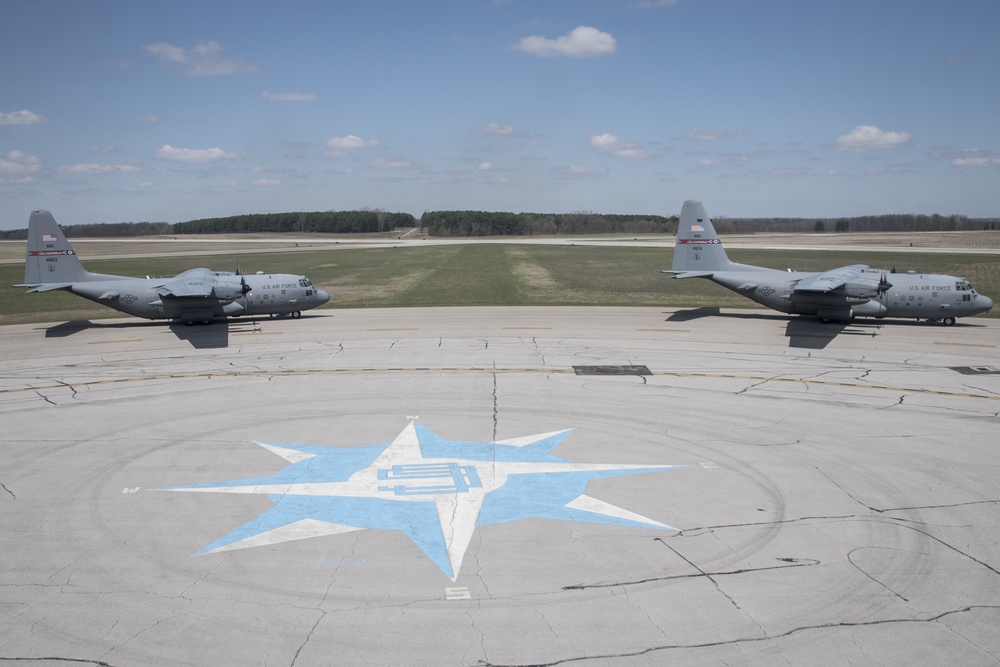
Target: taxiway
{"points": [[736, 487]]}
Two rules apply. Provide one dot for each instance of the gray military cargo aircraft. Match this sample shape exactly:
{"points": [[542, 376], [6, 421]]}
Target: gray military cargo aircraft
{"points": [[197, 295], [837, 295]]}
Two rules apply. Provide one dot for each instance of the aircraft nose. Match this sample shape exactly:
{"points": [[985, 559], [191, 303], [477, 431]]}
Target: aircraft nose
{"points": [[983, 302], [322, 297]]}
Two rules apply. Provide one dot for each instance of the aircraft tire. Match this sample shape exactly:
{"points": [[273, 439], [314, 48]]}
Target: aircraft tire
{"points": [[948, 321]]}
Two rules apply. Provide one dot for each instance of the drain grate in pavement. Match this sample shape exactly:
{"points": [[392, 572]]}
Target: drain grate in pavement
{"points": [[611, 370], [976, 370]]}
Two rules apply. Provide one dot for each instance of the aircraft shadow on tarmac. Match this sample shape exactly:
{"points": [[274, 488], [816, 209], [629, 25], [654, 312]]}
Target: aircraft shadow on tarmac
{"points": [[211, 336], [808, 333], [801, 332]]}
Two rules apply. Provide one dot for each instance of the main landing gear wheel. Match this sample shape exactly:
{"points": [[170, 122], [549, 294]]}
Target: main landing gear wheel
{"points": [[948, 321]]}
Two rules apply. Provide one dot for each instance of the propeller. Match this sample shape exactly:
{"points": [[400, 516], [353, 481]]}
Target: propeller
{"points": [[883, 285], [243, 284]]}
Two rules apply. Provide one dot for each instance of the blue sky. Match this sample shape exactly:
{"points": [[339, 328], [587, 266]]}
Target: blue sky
{"points": [[169, 111]]}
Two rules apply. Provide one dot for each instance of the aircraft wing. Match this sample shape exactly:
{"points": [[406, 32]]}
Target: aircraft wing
{"points": [[830, 280], [193, 283], [204, 284]]}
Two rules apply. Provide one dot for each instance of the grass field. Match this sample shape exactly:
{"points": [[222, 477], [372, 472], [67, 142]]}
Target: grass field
{"points": [[478, 274]]}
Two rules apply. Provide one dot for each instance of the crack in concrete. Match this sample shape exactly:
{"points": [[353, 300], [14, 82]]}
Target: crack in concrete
{"points": [[701, 572], [4, 487], [322, 615], [870, 577], [78, 661], [793, 563], [740, 641], [496, 411], [894, 521]]}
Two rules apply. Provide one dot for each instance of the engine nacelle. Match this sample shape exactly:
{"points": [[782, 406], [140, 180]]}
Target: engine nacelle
{"points": [[228, 290], [861, 289], [872, 308], [835, 314]]}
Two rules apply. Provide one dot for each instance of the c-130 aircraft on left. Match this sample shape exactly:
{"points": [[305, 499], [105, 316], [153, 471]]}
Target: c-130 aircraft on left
{"points": [[197, 295]]}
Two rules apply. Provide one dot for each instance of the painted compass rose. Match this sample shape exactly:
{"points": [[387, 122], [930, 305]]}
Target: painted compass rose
{"points": [[436, 491]]}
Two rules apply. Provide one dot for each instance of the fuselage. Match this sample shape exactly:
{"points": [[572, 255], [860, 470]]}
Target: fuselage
{"points": [[263, 294], [839, 294], [196, 295], [916, 295]]}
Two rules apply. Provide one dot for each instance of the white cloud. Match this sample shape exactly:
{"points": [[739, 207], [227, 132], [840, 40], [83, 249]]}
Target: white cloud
{"points": [[612, 144], [94, 168], [194, 155], [340, 147], [975, 162], [17, 163], [494, 130], [485, 166], [866, 138], [205, 59], [706, 135], [581, 42], [383, 163], [969, 157], [350, 142], [22, 117], [265, 182], [288, 97]]}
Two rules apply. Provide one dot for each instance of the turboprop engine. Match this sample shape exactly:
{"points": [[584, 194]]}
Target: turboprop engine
{"points": [[228, 291]]}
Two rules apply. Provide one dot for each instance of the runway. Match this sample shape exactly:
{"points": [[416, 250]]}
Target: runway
{"points": [[501, 486]]}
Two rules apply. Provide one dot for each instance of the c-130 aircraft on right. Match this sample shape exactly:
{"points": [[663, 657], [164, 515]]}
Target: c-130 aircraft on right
{"points": [[837, 295]]}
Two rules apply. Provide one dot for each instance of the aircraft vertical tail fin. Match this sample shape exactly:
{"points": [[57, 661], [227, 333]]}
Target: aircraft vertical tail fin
{"points": [[698, 248], [49, 257]]}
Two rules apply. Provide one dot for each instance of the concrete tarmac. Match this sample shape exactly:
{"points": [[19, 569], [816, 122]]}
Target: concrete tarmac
{"points": [[491, 486]]}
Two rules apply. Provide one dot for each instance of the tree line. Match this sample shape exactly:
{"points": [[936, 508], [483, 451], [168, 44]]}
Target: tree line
{"points": [[500, 223], [906, 222], [101, 230], [325, 222], [486, 223]]}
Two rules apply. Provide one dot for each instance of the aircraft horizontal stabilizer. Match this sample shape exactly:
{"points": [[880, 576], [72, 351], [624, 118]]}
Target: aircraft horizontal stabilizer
{"points": [[691, 274], [44, 287]]}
